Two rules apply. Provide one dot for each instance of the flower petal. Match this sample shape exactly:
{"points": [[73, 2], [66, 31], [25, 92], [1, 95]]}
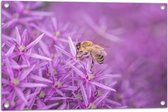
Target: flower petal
{"points": [[6, 14], [26, 72], [34, 94], [49, 106], [63, 51], [25, 20], [20, 6], [9, 23], [6, 37], [37, 56], [89, 90], [18, 37], [63, 106], [46, 32], [40, 13], [103, 86], [72, 46], [40, 104], [20, 94], [32, 85], [101, 98], [15, 65], [35, 41], [9, 69], [59, 92], [39, 78], [111, 102], [109, 76], [71, 88], [54, 23], [10, 51], [80, 73], [60, 98], [44, 47], [4, 81], [85, 98]]}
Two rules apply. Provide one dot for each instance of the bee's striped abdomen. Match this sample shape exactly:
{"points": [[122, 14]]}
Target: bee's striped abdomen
{"points": [[99, 58]]}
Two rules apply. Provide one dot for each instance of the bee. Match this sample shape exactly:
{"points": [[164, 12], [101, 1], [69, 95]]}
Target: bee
{"points": [[88, 48]]}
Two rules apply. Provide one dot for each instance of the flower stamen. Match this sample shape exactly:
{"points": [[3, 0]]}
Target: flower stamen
{"points": [[27, 108], [42, 94], [57, 84], [57, 33], [15, 81], [21, 48], [92, 106], [55, 72], [98, 93], [79, 96], [90, 77]]}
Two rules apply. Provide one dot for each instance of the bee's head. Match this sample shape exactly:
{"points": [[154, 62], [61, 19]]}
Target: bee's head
{"points": [[78, 46]]}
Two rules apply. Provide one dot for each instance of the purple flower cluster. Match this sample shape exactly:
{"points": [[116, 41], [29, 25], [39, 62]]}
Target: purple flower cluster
{"points": [[39, 66]]}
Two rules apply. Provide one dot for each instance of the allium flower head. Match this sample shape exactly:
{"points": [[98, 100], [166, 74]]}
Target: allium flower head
{"points": [[22, 13]]}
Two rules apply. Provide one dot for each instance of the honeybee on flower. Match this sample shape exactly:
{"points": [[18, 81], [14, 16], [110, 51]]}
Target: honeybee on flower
{"points": [[88, 48]]}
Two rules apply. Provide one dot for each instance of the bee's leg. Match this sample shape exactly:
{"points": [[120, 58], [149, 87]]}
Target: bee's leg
{"points": [[92, 66]]}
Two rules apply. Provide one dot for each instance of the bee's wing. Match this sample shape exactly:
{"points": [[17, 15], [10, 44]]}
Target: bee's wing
{"points": [[104, 53], [99, 58], [100, 50], [103, 45]]}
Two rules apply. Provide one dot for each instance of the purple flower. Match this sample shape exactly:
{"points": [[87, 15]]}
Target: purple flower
{"points": [[22, 13]]}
